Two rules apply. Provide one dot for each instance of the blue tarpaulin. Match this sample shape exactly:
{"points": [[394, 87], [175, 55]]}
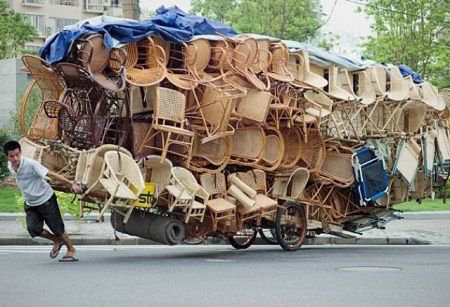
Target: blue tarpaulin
{"points": [[407, 71], [171, 24]]}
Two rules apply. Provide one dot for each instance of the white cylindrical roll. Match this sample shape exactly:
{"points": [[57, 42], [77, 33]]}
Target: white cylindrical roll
{"points": [[241, 197], [243, 186]]}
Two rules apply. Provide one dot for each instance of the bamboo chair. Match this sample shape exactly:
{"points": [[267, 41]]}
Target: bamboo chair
{"points": [[146, 62], [255, 105], [408, 154], [90, 169], [220, 72], [293, 150], [336, 84], [429, 150], [187, 194], [318, 104], [410, 116], [397, 88], [248, 146], [431, 96], [273, 150], [378, 79], [211, 114], [32, 150], [221, 210], [252, 206], [278, 69], [169, 123], [210, 157], [244, 56], [51, 87], [96, 59], [122, 180], [290, 185], [414, 92], [157, 173], [188, 62], [300, 68], [443, 143], [337, 167], [313, 150], [141, 99], [364, 88]]}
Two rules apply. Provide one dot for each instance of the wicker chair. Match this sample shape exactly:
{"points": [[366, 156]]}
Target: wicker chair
{"points": [[313, 151], [278, 69], [290, 185], [157, 173], [300, 68], [431, 96], [255, 105], [222, 210], [211, 114], [292, 147], [51, 88], [378, 78], [96, 59], [273, 150], [187, 194], [397, 88], [146, 62], [248, 146], [408, 154], [168, 123], [244, 56], [211, 157], [122, 180], [335, 83]]}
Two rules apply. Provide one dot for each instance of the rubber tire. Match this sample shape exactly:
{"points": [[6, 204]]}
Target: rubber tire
{"points": [[247, 244], [268, 240], [278, 227]]}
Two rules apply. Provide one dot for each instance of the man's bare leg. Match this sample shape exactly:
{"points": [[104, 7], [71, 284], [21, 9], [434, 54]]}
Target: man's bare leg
{"points": [[57, 241], [70, 248]]}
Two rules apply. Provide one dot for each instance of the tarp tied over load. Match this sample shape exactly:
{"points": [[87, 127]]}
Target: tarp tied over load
{"points": [[171, 24]]}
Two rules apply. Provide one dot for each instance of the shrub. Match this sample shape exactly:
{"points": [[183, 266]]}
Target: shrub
{"points": [[4, 137]]}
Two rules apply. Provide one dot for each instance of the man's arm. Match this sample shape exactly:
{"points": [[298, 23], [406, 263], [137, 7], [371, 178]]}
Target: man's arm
{"points": [[73, 185]]}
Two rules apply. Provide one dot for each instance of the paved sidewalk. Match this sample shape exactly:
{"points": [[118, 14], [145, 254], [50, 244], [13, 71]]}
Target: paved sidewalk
{"points": [[424, 228]]}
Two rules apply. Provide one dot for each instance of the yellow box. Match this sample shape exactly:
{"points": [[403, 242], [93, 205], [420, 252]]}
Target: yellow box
{"points": [[145, 199]]}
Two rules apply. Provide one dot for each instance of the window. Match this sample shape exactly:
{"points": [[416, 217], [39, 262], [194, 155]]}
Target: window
{"points": [[116, 3], [94, 5], [65, 2], [37, 21], [57, 24], [33, 1]]}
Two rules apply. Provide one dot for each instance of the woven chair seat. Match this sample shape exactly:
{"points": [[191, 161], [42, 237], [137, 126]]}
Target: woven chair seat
{"points": [[220, 205], [174, 129], [123, 192], [176, 191]]}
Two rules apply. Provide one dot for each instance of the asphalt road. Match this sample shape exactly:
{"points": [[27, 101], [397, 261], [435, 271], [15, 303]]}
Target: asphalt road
{"points": [[221, 276]]}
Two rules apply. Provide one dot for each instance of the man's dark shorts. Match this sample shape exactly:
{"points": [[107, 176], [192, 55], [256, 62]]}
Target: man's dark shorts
{"points": [[49, 213]]}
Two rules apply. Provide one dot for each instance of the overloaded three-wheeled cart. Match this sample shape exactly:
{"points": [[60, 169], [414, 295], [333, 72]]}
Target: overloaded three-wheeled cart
{"points": [[187, 132]]}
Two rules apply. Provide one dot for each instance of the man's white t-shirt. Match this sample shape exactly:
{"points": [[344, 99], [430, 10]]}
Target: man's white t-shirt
{"points": [[30, 179]]}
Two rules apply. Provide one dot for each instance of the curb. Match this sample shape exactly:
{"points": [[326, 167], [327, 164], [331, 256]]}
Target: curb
{"points": [[139, 241]]}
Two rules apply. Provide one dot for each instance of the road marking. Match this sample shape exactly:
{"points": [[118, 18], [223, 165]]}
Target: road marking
{"points": [[219, 260]]}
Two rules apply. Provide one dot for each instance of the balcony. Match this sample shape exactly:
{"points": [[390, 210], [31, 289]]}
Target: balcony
{"points": [[94, 6], [65, 2], [37, 3]]}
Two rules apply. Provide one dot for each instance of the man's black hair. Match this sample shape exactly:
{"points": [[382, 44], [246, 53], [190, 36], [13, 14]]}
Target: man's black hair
{"points": [[10, 146]]}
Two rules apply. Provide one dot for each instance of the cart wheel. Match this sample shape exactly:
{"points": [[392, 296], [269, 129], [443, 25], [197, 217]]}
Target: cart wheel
{"points": [[268, 235], [243, 238], [290, 226]]}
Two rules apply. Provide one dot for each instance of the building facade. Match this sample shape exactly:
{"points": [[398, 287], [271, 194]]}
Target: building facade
{"points": [[51, 16]]}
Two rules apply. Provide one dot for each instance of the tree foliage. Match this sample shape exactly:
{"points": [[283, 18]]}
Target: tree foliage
{"points": [[412, 32], [287, 19], [15, 31]]}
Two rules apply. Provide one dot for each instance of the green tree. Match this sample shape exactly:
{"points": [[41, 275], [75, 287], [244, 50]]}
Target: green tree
{"points": [[412, 32], [287, 19], [15, 31]]}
